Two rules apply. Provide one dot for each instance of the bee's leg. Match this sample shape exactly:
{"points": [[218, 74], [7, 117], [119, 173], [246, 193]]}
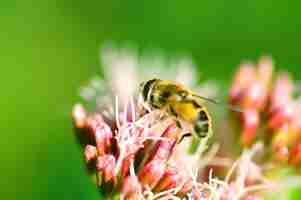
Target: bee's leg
{"points": [[182, 126], [178, 123], [184, 136], [146, 107]]}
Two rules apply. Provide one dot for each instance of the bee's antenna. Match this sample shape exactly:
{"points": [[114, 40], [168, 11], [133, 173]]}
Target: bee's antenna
{"points": [[230, 107]]}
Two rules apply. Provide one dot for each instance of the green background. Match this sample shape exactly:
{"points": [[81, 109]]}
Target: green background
{"points": [[49, 48]]}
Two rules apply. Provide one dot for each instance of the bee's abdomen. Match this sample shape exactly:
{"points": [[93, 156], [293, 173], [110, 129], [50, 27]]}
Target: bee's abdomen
{"points": [[202, 124]]}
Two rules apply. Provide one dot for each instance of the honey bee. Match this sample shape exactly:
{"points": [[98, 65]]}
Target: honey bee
{"points": [[180, 102]]}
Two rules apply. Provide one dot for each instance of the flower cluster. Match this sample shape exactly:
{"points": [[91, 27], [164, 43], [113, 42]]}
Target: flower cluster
{"points": [[134, 156], [138, 157], [134, 153], [250, 92], [272, 105]]}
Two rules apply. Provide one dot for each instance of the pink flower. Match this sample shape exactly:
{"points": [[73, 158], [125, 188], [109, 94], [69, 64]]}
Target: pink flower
{"points": [[250, 124], [164, 149], [90, 152], [282, 92], [151, 173], [131, 188], [106, 164], [242, 79], [172, 177]]}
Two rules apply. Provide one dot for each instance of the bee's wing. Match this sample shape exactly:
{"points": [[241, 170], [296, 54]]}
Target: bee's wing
{"points": [[216, 102]]}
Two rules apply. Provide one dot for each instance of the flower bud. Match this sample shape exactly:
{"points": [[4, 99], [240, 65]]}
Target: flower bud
{"points": [[126, 163], [131, 188], [151, 173], [187, 180], [103, 138], [255, 96], [172, 177], [94, 121], [265, 70], [281, 116], [106, 164], [79, 115], [90, 152], [163, 149], [282, 92], [250, 124], [242, 79]]}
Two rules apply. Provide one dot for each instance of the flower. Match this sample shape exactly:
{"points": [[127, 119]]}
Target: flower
{"points": [[266, 102], [135, 152], [250, 90]]}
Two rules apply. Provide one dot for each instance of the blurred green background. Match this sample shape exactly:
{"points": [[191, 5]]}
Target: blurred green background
{"points": [[50, 48]]}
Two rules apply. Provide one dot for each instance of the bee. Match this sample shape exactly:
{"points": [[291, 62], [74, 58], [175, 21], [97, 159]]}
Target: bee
{"points": [[180, 102]]}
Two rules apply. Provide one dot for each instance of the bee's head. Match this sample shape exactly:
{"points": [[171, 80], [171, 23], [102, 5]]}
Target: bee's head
{"points": [[145, 88]]}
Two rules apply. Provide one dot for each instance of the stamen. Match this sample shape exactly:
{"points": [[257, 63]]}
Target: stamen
{"points": [[253, 189], [117, 112], [133, 111], [132, 170], [170, 191], [125, 112], [230, 172]]}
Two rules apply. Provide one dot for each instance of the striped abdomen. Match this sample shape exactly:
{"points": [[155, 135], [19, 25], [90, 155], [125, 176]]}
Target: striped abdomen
{"points": [[195, 114]]}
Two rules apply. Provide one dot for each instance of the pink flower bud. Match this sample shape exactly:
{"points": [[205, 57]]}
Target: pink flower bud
{"points": [[102, 133], [281, 116], [163, 149], [79, 115], [93, 122], [265, 70], [126, 163], [151, 173], [90, 152], [255, 96], [131, 188], [187, 180], [172, 177], [250, 124], [242, 79], [282, 92], [103, 138], [106, 164]]}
